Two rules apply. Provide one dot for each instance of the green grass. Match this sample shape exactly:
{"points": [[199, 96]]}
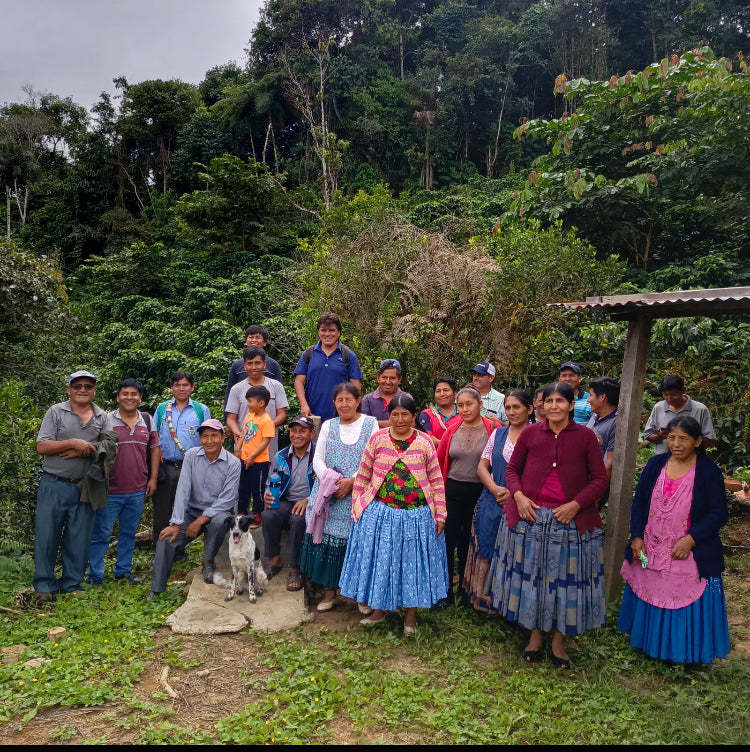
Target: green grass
{"points": [[460, 680]]}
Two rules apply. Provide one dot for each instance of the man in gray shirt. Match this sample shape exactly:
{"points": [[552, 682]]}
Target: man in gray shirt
{"points": [[206, 495], [294, 466], [254, 359], [675, 403], [604, 397], [66, 441]]}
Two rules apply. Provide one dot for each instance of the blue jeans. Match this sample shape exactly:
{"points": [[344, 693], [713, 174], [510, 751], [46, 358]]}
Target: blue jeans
{"points": [[127, 508], [62, 522]]}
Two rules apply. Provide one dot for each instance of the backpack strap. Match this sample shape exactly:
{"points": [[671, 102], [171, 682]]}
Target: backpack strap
{"points": [[198, 407], [346, 354], [149, 422], [161, 411]]}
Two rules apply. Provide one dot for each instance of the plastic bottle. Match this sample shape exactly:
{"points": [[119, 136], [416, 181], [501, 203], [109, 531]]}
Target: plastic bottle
{"points": [[274, 486]]}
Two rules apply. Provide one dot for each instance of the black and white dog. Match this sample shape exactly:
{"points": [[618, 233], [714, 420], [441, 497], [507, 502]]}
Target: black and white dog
{"points": [[245, 559]]}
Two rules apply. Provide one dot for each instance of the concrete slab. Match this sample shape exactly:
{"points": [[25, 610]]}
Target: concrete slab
{"points": [[199, 617], [206, 612]]}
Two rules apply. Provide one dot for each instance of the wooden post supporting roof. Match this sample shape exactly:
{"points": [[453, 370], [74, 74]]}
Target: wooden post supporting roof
{"points": [[639, 310], [626, 447]]}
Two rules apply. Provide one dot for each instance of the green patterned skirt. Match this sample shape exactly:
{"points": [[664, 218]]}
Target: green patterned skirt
{"points": [[322, 562]]}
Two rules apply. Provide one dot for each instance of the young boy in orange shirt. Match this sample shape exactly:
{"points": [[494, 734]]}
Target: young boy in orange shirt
{"points": [[257, 432]]}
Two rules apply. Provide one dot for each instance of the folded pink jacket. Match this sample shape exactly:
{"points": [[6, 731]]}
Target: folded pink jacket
{"points": [[381, 455], [319, 514]]}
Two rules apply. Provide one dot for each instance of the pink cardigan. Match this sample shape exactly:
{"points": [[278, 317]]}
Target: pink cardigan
{"points": [[378, 460]]}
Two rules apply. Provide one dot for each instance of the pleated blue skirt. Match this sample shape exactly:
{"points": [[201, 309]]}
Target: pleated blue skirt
{"points": [[697, 633], [395, 559], [545, 575]]}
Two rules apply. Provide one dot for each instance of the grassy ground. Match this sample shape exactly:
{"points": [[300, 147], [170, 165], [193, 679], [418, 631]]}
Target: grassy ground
{"points": [[121, 677]]}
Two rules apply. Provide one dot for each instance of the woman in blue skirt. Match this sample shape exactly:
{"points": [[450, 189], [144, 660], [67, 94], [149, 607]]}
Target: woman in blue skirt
{"points": [[491, 471], [340, 445], [396, 553], [547, 572], [673, 607]]}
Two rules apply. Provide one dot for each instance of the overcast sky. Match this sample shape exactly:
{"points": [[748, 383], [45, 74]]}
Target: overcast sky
{"points": [[76, 47]]}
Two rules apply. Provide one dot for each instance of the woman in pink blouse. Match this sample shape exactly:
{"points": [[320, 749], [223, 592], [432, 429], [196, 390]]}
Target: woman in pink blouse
{"points": [[547, 573], [673, 607]]}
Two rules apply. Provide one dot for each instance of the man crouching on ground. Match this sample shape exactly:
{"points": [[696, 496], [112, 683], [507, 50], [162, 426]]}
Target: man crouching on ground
{"points": [[206, 495]]}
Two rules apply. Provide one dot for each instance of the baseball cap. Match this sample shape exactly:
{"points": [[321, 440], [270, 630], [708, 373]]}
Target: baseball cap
{"points": [[390, 363], [214, 423], [485, 368], [304, 421], [572, 365], [80, 375]]}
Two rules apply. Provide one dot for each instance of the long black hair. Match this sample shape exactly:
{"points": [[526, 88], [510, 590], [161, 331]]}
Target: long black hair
{"points": [[525, 399]]}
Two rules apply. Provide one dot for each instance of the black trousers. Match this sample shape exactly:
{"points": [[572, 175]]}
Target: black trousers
{"points": [[252, 487], [163, 498], [461, 499]]}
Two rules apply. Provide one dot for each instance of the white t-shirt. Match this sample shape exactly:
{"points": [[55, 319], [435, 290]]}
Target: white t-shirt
{"points": [[349, 433], [237, 403]]}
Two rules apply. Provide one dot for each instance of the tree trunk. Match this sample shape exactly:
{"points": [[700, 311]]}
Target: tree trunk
{"points": [[401, 51], [7, 210]]}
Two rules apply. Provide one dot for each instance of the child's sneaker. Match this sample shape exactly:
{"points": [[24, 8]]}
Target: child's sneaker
{"points": [[257, 520]]}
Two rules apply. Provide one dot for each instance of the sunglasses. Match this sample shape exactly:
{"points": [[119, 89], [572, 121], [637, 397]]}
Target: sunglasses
{"points": [[83, 387]]}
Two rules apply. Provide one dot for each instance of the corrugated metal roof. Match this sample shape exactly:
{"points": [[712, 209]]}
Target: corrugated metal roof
{"points": [[679, 303]]}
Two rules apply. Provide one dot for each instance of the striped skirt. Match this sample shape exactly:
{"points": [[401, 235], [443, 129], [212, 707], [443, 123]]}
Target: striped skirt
{"points": [[545, 575], [475, 577], [395, 559]]}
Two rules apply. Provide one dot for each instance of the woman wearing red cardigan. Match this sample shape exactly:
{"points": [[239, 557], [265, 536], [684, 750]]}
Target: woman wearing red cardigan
{"points": [[459, 453], [547, 573]]}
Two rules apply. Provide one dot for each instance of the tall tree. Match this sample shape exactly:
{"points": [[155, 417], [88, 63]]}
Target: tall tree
{"points": [[152, 113]]}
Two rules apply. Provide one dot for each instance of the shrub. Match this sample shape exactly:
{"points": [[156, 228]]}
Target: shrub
{"points": [[19, 464]]}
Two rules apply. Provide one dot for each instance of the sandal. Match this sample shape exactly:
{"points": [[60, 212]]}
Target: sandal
{"points": [[294, 582], [532, 656], [562, 663], [272, 571]]}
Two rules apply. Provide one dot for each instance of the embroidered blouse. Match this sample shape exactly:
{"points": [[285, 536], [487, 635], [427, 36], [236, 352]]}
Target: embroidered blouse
{"points": [[381, 456], [400, 488]]}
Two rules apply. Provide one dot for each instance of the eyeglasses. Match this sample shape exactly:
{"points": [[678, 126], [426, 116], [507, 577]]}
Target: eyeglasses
{"points": [[83, 387]]}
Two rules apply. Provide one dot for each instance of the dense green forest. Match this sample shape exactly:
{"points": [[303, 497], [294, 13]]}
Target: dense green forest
{"points": [[435, 172]]}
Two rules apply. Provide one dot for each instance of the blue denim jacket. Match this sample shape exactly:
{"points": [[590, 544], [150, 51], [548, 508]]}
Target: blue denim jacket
{"points": [[282, 467]]}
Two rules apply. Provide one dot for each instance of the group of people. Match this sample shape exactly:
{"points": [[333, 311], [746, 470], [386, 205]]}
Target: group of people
{"points": [[390, 503]]}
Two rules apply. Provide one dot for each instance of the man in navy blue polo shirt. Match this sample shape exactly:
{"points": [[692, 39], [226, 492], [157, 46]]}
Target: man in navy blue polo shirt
{"points": [[322, 367]]}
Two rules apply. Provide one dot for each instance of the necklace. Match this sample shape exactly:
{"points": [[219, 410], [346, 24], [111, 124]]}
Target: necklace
{"points": [[172, 431]]}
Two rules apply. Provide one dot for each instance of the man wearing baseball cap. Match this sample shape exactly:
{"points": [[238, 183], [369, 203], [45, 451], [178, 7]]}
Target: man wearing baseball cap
{"points": [[389, 381], [570, 373], [493, 402], [66, 441], [206, 495], [295, 468]]}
